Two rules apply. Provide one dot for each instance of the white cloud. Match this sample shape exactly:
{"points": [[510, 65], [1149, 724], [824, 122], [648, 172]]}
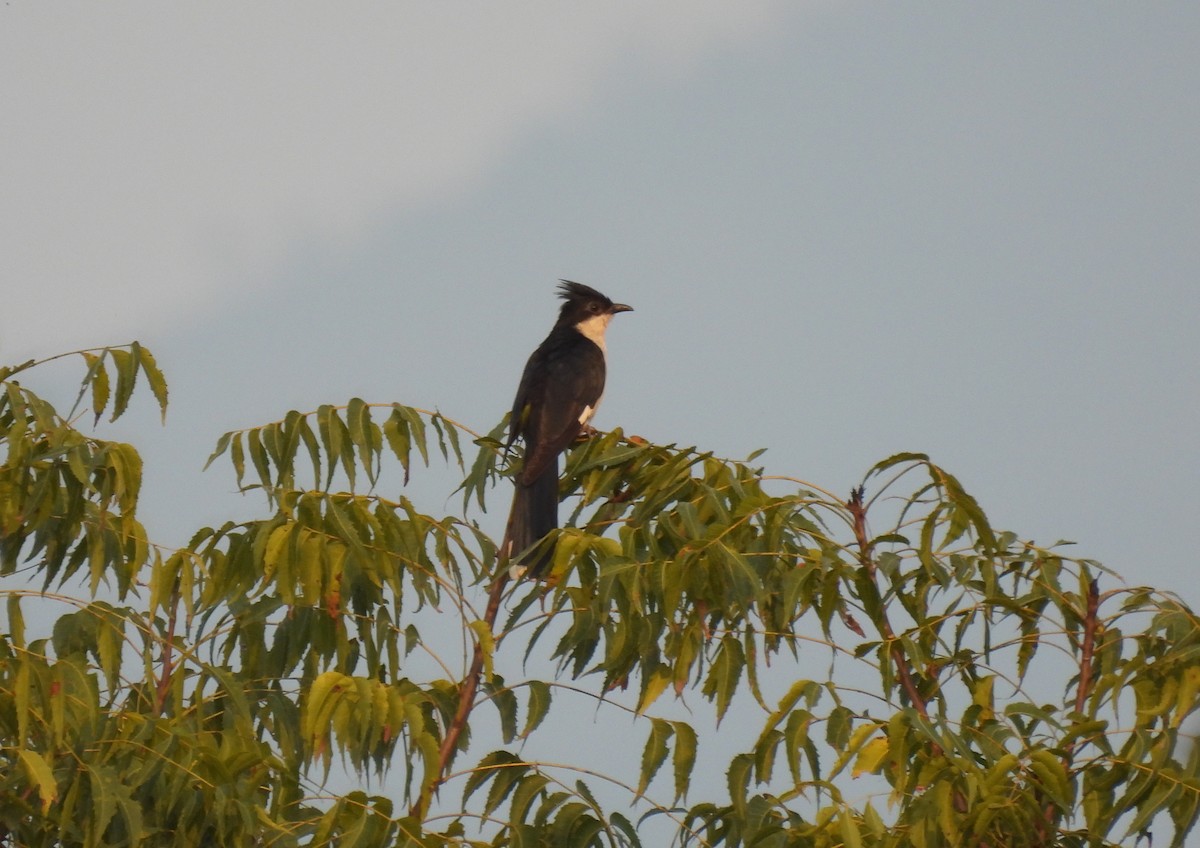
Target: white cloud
{"points": [[156, 156]]}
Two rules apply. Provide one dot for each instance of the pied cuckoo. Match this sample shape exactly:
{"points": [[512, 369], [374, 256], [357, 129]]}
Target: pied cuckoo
{"points": [[560, 389]]}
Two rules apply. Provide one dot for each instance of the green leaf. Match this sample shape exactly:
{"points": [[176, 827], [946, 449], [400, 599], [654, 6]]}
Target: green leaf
{"points": [[538, 706], [655, 752], [22, 690], [451, 436], [1052, 776], [259, 457], [525, 794], [683, 760], [16, 621], [795, 736], [110, 637], [311, 445], [738, 779], [399, 439], [335, 438], [507, 773], [848, 827], [362, 432], [417, 429], [969, 507], [487, 644], [97, 376], [222, 446], [894, 460], [484, 772], [723, 676], [38, 772], [505, 702], [870, 756], [237, 456], [158, 383], [653, 685], [126, 363]]}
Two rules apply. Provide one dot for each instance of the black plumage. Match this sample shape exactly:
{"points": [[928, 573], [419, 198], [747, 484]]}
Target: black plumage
{"points": [[560, 389]]}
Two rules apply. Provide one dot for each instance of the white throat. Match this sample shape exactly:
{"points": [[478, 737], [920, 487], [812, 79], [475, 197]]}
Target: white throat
{"points": [[594, 328]]}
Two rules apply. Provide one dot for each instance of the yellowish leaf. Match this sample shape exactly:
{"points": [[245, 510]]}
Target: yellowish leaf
{"points": [[39, 773], [870, 756]]}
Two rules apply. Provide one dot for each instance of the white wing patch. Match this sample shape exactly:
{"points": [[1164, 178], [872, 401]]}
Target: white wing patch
{"points": [[586, 415]]}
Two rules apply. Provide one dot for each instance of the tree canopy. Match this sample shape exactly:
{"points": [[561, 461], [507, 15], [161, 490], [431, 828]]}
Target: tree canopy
{"points": [[356, 668]]}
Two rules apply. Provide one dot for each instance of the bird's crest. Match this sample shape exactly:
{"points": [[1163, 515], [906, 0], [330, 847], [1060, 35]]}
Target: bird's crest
{"points": [[570, 290]]}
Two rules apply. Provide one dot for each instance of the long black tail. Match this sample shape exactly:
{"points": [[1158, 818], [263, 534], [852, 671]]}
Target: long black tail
{"points": [[534, 514]]}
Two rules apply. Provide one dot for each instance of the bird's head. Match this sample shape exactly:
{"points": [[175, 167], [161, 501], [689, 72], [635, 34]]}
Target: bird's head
{"points": [[586, 306]]}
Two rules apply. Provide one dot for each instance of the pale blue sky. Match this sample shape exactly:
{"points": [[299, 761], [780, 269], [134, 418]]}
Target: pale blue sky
{"points": [[848, 230]]}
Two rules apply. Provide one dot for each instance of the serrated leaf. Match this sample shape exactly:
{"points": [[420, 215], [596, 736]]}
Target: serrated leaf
{"points": [[655, 752], [309, 571], [795, 736], [222, 446], [21, 691], [109, 641], [507, 774], [97, 376], [721, 683], [417, 429], [487, 644], [126, 364], [237, 456], [963, 501], [870, 756], [1052, 775], [654, 685], [361, 431], [848, 827], [258, 456], [16, 621], [452, 437], [396, 432], [738, 781], [37, 770], [484, 772], [505, 702], [537, 707], [334, 438], [319, 705], [894, 460], [524, 796], [154, 376], [683, 760]]}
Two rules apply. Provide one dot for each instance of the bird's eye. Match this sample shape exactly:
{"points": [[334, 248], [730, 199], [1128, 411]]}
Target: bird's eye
{"points": [[593, 306]]}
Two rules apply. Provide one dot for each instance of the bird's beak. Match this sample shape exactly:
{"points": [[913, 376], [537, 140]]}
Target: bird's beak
{"points": [[620, 307]]}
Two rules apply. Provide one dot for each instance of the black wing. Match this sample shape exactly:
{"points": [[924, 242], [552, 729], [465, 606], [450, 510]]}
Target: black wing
{"points": [[563, 378]]}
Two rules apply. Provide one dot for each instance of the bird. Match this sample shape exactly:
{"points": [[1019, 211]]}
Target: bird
{"points": [[561, 387]]}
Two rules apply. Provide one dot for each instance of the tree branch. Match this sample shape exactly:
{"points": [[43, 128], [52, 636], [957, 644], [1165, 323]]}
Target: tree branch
{"points": [[466, 697], [1091, 622], [168, 660], [858, 512], [1087, 653]]}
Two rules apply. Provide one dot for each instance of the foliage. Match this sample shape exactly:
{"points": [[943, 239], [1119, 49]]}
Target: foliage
{"points": [[936, 683]]}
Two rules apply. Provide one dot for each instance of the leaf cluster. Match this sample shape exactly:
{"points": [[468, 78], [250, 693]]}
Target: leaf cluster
{"points": [[890, 669]]}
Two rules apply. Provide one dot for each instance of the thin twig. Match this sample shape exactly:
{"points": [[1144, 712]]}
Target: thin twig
{"points": [[466, 697], [858, 512], [1091, 622], [164, 680], [1087, 653]]}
